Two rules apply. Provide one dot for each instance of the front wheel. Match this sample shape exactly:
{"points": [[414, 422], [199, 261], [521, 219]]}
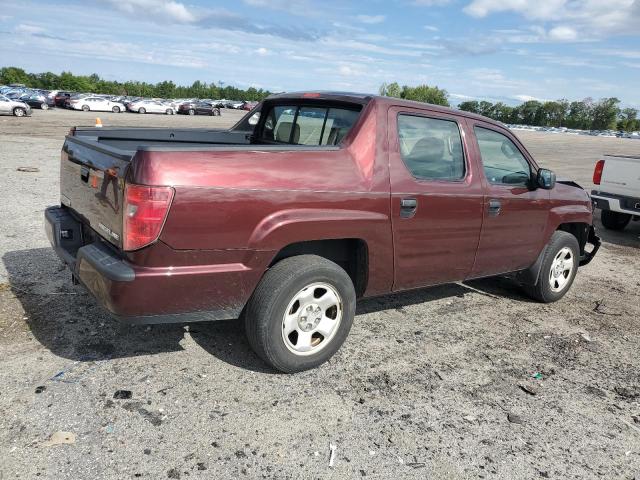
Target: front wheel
{"points": [[85, 108], [192, 111], [115, 109], [169, 111], [300, 313], [19, 112], [614, 220], [559, 268], [44, 106], [142, 110]]}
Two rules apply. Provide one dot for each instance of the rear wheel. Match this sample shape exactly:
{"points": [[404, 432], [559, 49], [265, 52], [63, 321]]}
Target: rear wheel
{"points": [[142, 110], [169, 111], [192, 111], [115, 109], [614, 220], [19, 112], [559, 268], [300, 313], [85, 108], [44, 106]]}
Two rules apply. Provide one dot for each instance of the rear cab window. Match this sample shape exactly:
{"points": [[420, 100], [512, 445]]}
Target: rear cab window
{"points": [[305, 124]]}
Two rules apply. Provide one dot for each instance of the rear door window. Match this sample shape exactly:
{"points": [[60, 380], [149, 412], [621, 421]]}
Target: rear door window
{"points": [[431, 148], [308, 125]]}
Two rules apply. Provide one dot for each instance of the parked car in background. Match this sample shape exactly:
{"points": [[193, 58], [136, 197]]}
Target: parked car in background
{"points": [[150, 106], [248, 105], [291, 220], [60, 97], [617, 192], [38, 100], [198, 108], [96, 104], [17, 108]]}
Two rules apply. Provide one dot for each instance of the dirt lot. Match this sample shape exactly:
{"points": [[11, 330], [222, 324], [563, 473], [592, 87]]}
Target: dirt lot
{"points": [[437, 383]]}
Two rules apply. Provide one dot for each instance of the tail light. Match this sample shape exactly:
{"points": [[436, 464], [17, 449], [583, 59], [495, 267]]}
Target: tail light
{"points": [[597, 172], [145, 210]]}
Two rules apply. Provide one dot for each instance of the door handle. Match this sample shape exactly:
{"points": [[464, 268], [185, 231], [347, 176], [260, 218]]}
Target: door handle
{"points": [[408, 207], [494, 207]]}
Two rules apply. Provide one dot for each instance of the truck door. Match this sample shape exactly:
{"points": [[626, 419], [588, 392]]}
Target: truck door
{"points": [[436, 197], [515, 216]]}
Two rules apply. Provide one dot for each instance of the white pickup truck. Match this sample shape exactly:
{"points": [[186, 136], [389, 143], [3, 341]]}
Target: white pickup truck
{"points": [[617, 192]]}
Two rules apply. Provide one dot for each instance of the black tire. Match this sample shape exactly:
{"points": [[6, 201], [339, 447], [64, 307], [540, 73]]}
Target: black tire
{"points": [[169, 111], [263, 316], [44, 106], [192, 111], [19, 112], [142, 110], [614, 220], [85, 108], [543, 290], [115, 109]]}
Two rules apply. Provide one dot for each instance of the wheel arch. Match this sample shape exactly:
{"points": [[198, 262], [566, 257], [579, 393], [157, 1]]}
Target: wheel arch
{"points": [[352, 254], [580, 230]]}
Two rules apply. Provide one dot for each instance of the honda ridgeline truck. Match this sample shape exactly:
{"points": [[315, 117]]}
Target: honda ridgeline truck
{"points": [[311, 201]]}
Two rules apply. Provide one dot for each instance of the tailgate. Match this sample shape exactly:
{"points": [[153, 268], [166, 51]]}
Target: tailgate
{"points": [[92, 184], [621, 176]]}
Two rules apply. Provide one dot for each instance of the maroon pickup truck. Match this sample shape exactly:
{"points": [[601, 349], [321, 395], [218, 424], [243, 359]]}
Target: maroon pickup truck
{"points": [[311, 201]]}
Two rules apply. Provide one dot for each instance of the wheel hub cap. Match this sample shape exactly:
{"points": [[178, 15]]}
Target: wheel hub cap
{"points": [[312, 318], [309, 317]]}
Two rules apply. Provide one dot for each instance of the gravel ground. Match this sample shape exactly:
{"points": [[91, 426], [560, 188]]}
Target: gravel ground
{"points": [[461, 381]]}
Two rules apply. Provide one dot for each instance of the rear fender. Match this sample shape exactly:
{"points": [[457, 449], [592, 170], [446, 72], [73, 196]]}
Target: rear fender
{"points": [[286, 227]]}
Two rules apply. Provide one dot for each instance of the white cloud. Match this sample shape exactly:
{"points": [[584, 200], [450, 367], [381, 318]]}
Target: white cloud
{"points": [[526, 98], [263, 52], [563, 33], [371, 19], [570, 19], [162, 9], [431, 28], [28, 29], [430, 3]]}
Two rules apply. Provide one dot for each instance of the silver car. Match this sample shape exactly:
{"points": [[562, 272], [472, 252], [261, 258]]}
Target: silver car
{"points": [[13, 107]]}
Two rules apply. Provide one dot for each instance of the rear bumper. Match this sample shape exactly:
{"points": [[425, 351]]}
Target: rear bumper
{"points": [[616, 203], [138, 294]]}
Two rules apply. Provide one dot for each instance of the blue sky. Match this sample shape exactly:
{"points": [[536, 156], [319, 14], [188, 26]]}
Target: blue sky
{"points": [[509, 50]]}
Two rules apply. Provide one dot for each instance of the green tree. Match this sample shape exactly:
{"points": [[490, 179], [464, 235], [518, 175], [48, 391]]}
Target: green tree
{"points": [[426, 94], [501, 112], [554, 113], [391, 90], [604, 113], [629, 120], [9, 75], [472, 106]]}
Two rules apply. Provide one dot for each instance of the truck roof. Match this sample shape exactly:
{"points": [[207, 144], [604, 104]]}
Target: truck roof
{"points": [[365, 98]]}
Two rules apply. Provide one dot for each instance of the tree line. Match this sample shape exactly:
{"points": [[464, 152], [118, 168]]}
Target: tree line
{"points": [[95, 84], [585, 114]]}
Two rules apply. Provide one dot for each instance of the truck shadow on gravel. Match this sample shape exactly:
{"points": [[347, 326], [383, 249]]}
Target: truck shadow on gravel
{"points": [[629, 237], [66, 320]]}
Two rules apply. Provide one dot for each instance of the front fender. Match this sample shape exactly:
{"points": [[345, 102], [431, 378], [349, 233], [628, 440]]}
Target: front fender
{"points": [[566, 214]]}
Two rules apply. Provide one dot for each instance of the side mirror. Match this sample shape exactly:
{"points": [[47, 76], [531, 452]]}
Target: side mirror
{"points": [[546, 179]]}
